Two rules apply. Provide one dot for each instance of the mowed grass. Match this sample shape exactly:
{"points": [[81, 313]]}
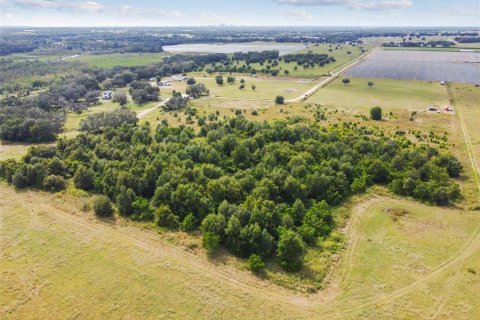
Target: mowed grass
{"points": [[54, 255], [402, 94], [121, 59]]}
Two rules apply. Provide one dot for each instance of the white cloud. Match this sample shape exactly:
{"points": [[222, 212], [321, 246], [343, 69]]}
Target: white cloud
{"points": [[83, 6], [297, 15], [352, 4]]}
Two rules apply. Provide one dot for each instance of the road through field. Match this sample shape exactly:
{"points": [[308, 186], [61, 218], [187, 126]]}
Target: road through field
{"points": [[333, 75]]}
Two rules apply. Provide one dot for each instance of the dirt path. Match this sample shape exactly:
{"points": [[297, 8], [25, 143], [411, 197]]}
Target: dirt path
{"points": [[142, 114], [333, 75]]}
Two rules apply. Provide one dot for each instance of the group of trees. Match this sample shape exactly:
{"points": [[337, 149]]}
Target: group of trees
{"points": [[142, 92], [308, 59], [433, 44], [256, 56], [264, 189], [40, 118]]}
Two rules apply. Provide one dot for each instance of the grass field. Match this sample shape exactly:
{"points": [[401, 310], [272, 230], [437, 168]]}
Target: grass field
{"points": [[399, 94], [54, 255], [121, 59]]}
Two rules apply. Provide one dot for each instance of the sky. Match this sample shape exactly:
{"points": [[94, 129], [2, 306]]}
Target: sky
{"points": [[87, 13]]}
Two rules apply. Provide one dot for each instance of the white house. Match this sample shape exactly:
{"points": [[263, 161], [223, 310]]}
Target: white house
{"points": [[179, 77], [107, 95], [164, 83]]}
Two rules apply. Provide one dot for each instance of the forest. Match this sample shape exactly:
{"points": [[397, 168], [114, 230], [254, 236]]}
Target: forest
{"points": [[263, 189]]}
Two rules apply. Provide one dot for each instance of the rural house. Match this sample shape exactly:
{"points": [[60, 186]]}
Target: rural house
{"points": [[107, 95]]}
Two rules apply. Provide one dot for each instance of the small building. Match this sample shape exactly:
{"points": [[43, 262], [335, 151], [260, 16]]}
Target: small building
{"points": [[164, 83], [179, 77], [107, 95]]}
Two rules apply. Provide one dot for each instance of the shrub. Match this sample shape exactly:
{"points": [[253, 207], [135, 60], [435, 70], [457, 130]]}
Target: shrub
{"points": [[191, 81], [290, 251], [211, 242], [254, 113], [189, 223], [376, 113], [255, 263], [54, 183], [346, 81], [279, 100], [84, 178], [102, 206], [165, 218]]}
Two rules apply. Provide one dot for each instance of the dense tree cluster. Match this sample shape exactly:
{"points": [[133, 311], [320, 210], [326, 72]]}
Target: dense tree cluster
{"points": [[255, 56], [309, 59], [467, 39], [143, 91], [255, 188]]}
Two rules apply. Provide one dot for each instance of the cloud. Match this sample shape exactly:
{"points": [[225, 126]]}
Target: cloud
{"points": [[82, 6], [352, 4], [297, 15], [89, 7]]}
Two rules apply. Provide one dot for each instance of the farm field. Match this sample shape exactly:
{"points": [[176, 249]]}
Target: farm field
{"points": [[420, 65]]}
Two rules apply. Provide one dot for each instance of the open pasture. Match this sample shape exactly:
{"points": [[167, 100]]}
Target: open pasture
{"points": [[420, 65]]}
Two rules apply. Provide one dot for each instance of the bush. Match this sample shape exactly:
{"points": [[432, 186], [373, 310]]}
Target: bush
{"points": [[165, 218], [376, 113], [255, 263], [189, 223], [211, 242], [290, 251], [346, 81], [54, 183], [191, 81], [219, 80], [84, 178], [254, 113], [102, 206], [279, 100]]}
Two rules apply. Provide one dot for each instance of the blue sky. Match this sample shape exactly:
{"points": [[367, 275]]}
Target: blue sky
{"points": [[244, 12]]}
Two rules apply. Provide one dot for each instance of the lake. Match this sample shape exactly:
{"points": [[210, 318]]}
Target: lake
{"points": [[283, 48]]}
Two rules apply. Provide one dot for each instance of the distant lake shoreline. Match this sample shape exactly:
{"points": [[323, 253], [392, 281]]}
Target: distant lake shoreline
{"points": [[283, 48]]}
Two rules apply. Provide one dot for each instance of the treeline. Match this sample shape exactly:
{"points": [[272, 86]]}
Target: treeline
{"points": [[308, 59], [255, 188], [256, 57], [467, 39], [433, 44]]}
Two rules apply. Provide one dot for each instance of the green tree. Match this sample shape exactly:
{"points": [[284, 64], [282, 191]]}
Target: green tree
{"points": [[376, 113], [189, 223], [102, 206], [255, 263], [291, 251], [120, 98], [211, 242], [54, 183], [370, 83], [346, 81], [165, 218], [84, 178], [219, 80], [230, 79], [124, 201], [279, 100], [191, 81], [254, 87]]}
